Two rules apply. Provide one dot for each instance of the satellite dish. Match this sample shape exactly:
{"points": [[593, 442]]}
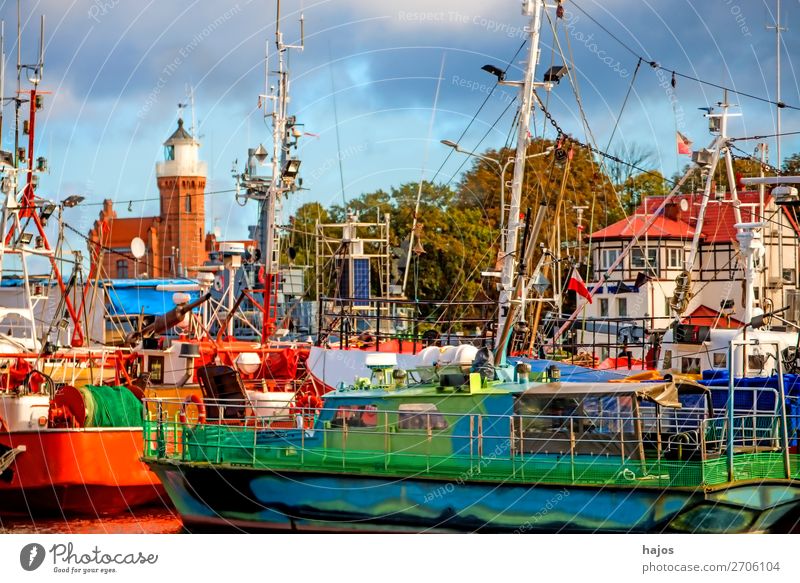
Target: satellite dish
{"points": [[138, 248], [684, 205]]}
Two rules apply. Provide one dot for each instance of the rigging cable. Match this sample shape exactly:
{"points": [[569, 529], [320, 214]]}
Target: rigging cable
{"points": [[655, 65]]}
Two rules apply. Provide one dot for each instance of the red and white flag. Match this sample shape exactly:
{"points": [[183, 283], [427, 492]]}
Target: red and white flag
{"points": [[576, 284], [684, 144]]}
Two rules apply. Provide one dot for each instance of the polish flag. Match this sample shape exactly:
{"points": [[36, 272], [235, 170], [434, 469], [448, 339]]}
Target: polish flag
{"points": [[576, 284], [684, 144]]}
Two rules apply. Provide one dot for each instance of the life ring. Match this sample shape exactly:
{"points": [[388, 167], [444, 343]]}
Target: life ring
{"points": [[201, 409]]}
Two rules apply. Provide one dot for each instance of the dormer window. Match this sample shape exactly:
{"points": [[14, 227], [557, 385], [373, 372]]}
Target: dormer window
{"points": [[169, 153]]}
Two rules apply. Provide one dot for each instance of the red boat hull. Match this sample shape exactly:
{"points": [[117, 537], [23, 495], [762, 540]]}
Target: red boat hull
{"points": [[81, 472]]}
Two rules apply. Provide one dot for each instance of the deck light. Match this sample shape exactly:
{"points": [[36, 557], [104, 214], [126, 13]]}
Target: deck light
{"points": [[554, 74], [73, 201], [46, 212], [290, 169], [492, 70]]}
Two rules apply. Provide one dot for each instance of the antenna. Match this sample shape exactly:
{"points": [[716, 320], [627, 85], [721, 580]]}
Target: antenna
{"points": [[778, 30], [2, 76]]}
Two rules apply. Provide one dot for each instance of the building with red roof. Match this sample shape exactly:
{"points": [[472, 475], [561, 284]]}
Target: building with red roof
{"points": [[643, 282]]}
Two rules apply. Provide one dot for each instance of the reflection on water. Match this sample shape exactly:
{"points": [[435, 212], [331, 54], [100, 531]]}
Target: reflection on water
{"points": [[142, 522]]}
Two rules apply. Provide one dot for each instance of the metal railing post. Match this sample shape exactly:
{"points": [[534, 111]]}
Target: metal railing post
{"points": [[784, 421], [729, 448]]}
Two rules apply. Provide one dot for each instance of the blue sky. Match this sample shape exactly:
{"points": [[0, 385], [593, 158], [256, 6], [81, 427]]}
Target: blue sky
{"points": [[117, 70]]}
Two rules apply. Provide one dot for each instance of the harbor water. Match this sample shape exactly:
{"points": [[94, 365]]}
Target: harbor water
{"points": [[150, 521]]}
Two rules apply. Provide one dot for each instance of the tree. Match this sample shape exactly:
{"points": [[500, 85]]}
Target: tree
{"points": [[640, 186]]}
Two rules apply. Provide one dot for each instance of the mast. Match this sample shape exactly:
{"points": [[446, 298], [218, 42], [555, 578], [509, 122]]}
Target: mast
{"points": [[532, 8], [778, 30], [268, 191]]}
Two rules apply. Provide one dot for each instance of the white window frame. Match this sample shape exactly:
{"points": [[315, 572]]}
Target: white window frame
{"points": [[677, 253], [607, 257], [651, 261]]}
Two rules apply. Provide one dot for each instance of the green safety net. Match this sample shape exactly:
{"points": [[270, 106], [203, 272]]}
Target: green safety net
{"points": [[111, 407]]}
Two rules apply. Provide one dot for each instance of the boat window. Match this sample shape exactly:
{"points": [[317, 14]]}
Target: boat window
{"points": [[720, 360], [690, 365], [156, 365], [756, 362], [356, 416], [667, 359], [420, 416]]}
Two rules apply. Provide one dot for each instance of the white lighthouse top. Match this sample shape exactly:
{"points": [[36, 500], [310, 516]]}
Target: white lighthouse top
{"points": [[181, 156]]}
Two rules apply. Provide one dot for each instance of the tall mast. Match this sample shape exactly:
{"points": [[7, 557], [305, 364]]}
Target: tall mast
{"points": [[532, 8], [268, 191], [778, 30]]}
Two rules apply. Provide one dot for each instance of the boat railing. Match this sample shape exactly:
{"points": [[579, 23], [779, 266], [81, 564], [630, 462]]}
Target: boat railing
{"points": [[370, 323], [607, 449]]}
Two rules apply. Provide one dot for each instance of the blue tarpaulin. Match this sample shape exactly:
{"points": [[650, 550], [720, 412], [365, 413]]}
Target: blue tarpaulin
{"points": [[137, 296]]}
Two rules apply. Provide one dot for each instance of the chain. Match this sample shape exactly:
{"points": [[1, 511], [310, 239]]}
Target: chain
{"points": [[564, 135], [746, 156]]}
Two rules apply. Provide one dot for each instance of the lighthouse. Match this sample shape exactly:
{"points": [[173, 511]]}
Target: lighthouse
{"points": [[181, 179]]}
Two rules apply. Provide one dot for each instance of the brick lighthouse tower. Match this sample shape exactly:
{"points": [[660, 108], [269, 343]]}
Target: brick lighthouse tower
{"points": [[181, 183]]}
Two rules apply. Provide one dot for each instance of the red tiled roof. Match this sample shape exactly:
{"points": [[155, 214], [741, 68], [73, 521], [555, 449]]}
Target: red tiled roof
{"points": [[717, 226], [662, 228], [122, 231], [705, 316]]}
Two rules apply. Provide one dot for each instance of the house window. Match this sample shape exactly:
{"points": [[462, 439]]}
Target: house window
{"points": [[122, 269], [638, 260], [622, 307], [188, 203], [667, 359], [356, 416], [603, 307], [789, 276], [420, 416], [720, 360], [608, 257], [675, 258]]}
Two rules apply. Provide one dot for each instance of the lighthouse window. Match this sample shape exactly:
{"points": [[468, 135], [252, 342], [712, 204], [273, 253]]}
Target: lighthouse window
{"points": [[169, 153], [188, 204], [421, 416]]}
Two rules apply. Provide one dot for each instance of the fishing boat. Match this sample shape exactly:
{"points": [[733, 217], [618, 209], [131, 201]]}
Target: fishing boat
{"points": [[489, 452]]}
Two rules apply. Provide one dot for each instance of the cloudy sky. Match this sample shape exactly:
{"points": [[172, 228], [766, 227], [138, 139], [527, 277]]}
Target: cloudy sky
{"points": [[117, 70]]}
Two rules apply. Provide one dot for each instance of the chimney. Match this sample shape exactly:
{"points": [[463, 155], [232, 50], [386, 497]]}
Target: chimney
{"points": [[672, 211]]}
